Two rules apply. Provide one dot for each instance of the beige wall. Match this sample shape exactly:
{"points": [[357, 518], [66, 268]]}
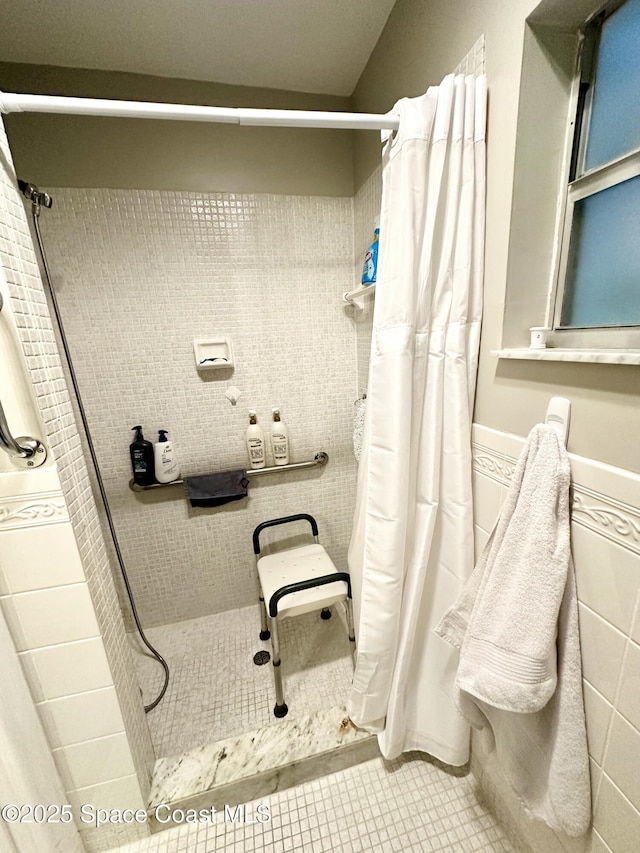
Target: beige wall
{"points": [[84, 151], [420, 44]]}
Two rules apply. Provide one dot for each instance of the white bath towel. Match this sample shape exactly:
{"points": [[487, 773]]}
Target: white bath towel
{"points": [[516, 625], [358, 426]]}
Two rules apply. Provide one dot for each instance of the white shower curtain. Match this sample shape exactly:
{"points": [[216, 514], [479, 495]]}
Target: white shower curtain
{"points": [[411, 550]]}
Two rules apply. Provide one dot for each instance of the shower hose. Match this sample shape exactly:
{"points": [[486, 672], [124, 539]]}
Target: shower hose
{"points": [[36, 198]]}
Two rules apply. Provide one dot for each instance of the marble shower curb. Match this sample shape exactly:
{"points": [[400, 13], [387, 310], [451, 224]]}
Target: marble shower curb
{"points": [[241, 769]]}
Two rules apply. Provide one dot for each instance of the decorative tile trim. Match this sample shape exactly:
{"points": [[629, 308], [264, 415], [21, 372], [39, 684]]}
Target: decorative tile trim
{"points": [[33, 510], [604, 515], [600, 513], [492, 464]]}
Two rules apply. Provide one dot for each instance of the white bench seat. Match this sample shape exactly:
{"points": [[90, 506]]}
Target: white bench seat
{"points": [[299, 564]]}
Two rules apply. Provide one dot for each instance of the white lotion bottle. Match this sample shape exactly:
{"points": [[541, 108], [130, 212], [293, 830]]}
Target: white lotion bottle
{"points": [[165, 461], [255, 441], [279, 439]]}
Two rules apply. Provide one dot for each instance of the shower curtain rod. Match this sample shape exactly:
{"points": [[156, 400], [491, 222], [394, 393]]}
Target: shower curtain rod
{"points": [[12, 102]]}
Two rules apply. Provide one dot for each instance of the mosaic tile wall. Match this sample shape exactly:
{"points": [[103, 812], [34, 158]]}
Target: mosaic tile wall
{"points": [[474, 61], [139, 275], [58, 519]]}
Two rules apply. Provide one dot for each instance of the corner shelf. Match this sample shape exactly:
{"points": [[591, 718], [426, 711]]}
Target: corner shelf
{"points": [[350, 295]]}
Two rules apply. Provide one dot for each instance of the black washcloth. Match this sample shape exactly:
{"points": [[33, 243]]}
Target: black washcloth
{"points": [[217, 489]]}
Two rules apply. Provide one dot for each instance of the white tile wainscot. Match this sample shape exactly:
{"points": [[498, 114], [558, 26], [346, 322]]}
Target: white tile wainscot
{"points": [[606, 550], [46, 602]]}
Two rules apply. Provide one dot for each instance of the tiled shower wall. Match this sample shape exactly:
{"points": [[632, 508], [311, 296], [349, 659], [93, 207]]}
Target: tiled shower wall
{"points": [[56, 589], [605, 541], [139, 275], [366, 209]]}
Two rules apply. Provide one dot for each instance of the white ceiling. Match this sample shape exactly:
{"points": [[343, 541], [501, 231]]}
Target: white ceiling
{"points": [[317, 46]]}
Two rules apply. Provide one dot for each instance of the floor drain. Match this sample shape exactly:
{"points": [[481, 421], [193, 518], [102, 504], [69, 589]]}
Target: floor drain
{"points": [[260, 658]]}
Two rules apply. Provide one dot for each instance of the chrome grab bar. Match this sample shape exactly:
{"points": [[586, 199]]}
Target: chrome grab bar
{"points": [[25, 451], [320, 459]]}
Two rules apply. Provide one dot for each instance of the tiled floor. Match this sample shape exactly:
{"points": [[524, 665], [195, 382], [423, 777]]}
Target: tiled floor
{"points": [[216, 691], [406, 805]]}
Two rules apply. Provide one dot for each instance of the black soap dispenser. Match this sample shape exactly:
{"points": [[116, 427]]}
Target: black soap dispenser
{"points": [[142, 459]]}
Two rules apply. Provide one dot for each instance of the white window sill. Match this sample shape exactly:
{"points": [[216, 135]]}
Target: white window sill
{"points": [[602, 356]]}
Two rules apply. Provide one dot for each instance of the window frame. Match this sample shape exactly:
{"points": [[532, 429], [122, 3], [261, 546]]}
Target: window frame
{"points": [[578, 184]]}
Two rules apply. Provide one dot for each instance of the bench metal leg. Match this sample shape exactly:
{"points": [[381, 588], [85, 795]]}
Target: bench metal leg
{"points": [[264, 627], [280, 709]]}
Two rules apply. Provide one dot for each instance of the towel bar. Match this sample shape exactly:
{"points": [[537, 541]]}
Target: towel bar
{"points": [[320, 458]]}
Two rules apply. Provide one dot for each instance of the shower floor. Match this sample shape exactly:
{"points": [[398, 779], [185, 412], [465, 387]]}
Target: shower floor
{"points": [[216, 691]]}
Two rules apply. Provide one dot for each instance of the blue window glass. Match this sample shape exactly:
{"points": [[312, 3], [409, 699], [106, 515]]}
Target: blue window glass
{"points": [[603, 271], [614, 127]]}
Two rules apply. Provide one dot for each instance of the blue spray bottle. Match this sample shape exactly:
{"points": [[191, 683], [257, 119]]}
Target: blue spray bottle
{"points": [[370, 269]]}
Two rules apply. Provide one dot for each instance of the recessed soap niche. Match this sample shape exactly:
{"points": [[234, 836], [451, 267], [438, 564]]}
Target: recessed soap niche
{"points": [[213, 353]]}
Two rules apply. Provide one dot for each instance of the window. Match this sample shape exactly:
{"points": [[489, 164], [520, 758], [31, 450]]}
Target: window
{"points": [[597, 301]]}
